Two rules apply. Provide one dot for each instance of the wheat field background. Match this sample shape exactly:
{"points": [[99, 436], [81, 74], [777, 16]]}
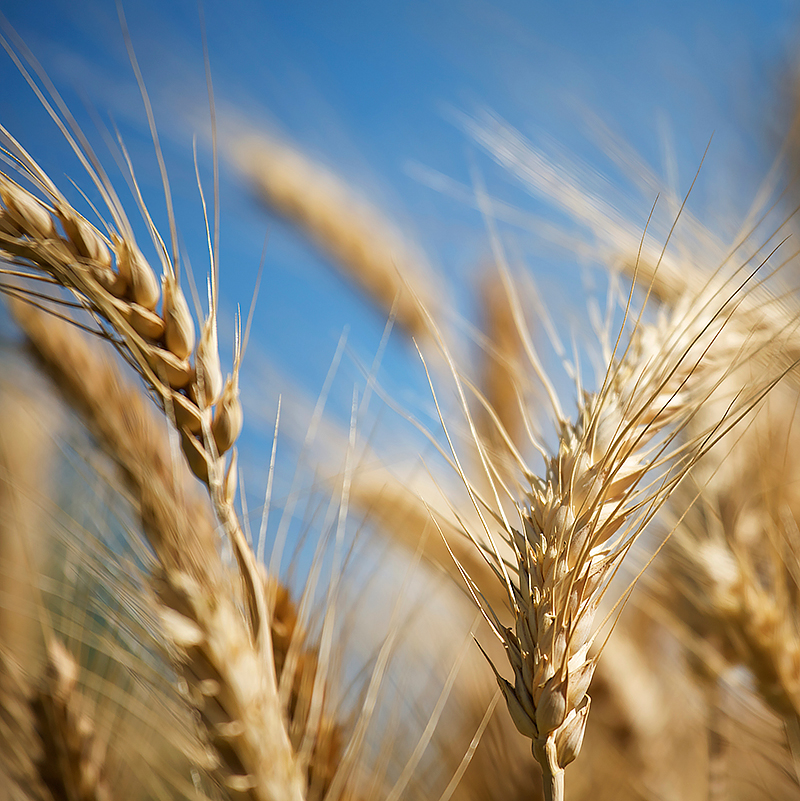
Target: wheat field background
{"points": [[398, 402]]}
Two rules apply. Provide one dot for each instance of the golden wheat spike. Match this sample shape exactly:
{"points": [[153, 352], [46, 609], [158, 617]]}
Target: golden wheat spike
{"points": [[579, 521]]}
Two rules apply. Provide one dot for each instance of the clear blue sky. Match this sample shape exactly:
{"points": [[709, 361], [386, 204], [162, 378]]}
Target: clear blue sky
{"points": [[369, 89]]}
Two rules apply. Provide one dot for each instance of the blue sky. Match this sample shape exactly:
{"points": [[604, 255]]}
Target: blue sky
{"points": [[371, 89]]}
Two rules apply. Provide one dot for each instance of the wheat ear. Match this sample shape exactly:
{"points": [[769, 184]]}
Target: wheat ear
{"points": [[581, 519], [49, 748], [731, 555], [122, 293], [759, 312], [742, 594], [73, 758]]}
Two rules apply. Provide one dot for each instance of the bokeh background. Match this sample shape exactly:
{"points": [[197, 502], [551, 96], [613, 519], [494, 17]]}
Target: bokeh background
{"points": [[387, 96]]}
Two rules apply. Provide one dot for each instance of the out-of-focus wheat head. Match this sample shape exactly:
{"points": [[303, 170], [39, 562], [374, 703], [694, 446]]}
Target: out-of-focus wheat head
{"points": [[90, 706], [732, 556], [354, 235]]}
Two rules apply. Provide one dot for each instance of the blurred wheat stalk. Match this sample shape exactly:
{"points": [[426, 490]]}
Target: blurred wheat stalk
{"points": [[677, 435]]}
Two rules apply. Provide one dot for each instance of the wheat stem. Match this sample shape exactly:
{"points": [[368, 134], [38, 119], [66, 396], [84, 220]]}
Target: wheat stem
{"points": [[552, 773]]}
